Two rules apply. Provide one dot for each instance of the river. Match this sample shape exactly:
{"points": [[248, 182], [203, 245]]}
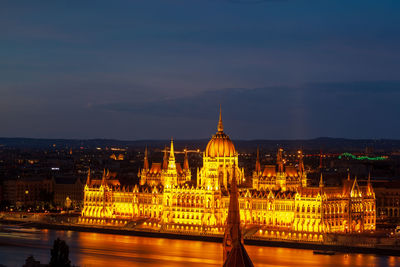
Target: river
{"points": [[94, 249]]}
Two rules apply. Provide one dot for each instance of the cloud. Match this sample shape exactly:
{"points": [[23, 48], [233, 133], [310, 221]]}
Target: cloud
{"points": [[337, 109], [354, 109], [259, 99]]}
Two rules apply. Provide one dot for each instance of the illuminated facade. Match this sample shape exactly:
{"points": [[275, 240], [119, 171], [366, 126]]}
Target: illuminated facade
{"points": [[168, 172], [279, 204], [280, 177]]}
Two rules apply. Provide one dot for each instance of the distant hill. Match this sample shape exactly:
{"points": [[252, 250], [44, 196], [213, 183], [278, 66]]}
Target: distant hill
{"points": [[324, 143]]}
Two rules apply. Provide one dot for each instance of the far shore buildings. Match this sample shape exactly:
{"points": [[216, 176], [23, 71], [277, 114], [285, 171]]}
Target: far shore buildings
{"points": [[37, 191], [27, 191], [279, 204]]}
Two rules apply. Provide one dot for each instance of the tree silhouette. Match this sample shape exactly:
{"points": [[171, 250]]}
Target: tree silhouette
{"points": [[60, 254]]}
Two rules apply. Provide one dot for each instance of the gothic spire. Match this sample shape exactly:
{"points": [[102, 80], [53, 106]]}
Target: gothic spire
{"points": [[146, 161], [171, 151], [321, 182], [234, 252], [232, 234], [88, 177], [186, 161]]}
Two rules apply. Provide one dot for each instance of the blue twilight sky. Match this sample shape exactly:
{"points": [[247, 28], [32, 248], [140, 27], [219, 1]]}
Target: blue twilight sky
{"points": [[156, 69]]}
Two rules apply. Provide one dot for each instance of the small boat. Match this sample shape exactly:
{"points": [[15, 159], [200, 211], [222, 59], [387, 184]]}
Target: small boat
{"points": [[324, 252]]}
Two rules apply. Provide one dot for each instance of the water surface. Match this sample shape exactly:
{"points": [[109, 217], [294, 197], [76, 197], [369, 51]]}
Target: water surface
{"points": [[95, 249]]}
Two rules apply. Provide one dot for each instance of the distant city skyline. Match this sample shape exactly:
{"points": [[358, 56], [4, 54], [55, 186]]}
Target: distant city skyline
{"points": [[160, 69]]}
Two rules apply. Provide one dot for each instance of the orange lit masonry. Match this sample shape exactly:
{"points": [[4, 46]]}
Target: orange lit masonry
{"points": [[280, 204]]}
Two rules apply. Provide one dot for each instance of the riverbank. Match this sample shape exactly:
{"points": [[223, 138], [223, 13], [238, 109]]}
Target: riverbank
{"points": [[382, 250]]}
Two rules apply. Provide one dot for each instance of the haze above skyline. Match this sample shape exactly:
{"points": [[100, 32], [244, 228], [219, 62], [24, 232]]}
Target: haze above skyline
{"points": [[156, 69]]}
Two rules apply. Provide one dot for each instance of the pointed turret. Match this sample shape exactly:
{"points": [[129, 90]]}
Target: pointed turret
{"points": [[146, 161], [234, 252], [348, 175], [171, 151], [88, 179], [220, 125], [258, 164], [171, 177], [355, 190], [186, 161], [321, 182], [165, 159]]}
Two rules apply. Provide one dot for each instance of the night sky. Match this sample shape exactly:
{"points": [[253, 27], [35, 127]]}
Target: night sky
{"points": [[155, 69]]}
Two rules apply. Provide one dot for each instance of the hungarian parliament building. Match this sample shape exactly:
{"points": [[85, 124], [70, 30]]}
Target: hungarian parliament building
{"points": [[278, 204]]}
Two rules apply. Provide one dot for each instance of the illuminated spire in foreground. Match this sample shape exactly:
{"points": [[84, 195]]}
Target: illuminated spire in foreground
{"points": [[234, 252]]}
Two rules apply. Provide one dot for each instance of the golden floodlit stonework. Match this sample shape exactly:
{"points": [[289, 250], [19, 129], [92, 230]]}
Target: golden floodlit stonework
{"points": [[280, 204]]}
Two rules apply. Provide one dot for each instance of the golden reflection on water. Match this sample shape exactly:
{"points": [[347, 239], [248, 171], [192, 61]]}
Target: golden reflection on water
{"points": [[130, 250], [115, 250], [95, 249]]}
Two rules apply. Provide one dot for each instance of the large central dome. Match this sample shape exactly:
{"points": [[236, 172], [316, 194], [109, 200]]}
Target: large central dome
{"points": [[220, 144]]}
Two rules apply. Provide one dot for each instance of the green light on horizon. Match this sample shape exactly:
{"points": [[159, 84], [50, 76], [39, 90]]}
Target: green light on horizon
{"points": [[349, 155]]}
